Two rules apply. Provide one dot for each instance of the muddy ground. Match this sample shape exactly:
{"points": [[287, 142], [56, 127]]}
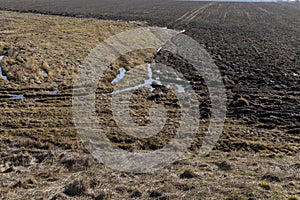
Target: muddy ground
{"points": [[256, 49]]}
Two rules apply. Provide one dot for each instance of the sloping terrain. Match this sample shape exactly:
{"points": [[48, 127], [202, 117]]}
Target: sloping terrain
{"points": [[255, 46]]}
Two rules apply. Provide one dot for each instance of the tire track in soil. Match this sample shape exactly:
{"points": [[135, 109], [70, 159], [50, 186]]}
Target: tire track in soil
{"points": [[285, 18], [189, 16], [57, 100], [265, 10]]}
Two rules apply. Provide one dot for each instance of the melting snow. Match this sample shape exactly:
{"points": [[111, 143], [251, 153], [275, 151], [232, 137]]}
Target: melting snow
{"points": [[120, 76], [55, 92], [16, 96], [45, 73], [297, 75], [147, 83], [180, 88], [1, 73]]}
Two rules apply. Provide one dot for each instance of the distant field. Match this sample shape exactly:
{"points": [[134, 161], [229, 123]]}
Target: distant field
{"points": [[156, 11]]}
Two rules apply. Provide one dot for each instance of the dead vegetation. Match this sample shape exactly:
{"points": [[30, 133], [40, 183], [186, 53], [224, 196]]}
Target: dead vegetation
{"points": [[42, 156]]}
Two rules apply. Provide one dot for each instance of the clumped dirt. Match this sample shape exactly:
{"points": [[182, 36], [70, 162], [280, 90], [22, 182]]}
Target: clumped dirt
{"points": [[256, 157]]}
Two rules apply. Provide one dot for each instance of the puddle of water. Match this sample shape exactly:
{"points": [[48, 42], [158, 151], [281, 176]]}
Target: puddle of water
{"points": [[1, 57], [120, 76], [16, 96]]}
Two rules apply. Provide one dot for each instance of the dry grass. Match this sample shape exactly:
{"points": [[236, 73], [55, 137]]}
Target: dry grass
{"points": [[39, 44], [42, 156]]}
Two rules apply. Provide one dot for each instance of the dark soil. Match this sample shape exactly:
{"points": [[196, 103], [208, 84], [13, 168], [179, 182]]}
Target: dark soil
{"points": [[256, 47]]}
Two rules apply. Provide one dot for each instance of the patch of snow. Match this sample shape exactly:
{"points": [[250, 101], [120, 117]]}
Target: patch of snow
{"points": [[55, 92], [120, 76], [34, 98], [180, 88], [297, 75], [16, 96], [148, 83], [14, 144], [1, 73], [128, 89], [45, 73]]}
